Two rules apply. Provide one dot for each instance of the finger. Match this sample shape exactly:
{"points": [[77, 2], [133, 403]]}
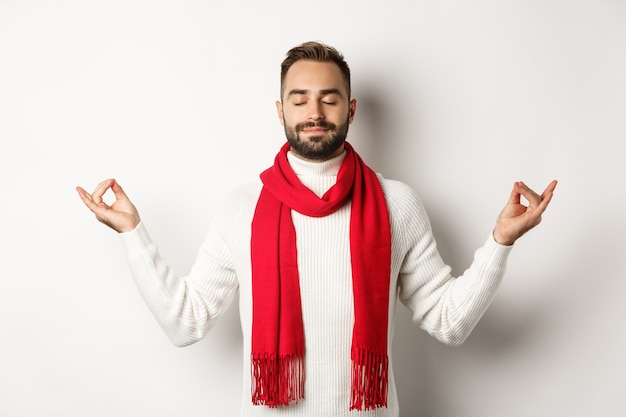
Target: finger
{"points": [[514, 197], [101, 188], [544, 203], [533, 198], [546, 196], [118, 192], [87, 199], [84, 195], [549, 189]]}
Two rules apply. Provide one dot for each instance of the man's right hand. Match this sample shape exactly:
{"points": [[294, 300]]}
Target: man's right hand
{"points": [[121, 216]]}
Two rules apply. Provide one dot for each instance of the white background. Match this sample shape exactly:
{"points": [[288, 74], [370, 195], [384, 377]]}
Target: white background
{"points": [[175, 99]]}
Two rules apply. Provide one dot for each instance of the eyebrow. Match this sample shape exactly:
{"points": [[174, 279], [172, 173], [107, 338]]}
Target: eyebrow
{"points": [[325, 92]]}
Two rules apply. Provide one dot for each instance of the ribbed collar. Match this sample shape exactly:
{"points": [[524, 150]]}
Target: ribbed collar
{"points": [[308, 168]]}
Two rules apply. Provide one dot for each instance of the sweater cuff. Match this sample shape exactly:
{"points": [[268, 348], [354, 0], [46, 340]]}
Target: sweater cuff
{"points": [[136, 238], [498, 251]]}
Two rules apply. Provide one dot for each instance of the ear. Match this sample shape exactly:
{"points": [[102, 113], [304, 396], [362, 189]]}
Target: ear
{"points": [[279, 110], [352, 110]]}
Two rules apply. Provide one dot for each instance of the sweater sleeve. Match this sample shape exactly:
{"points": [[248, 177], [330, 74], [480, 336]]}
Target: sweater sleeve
{"points": [[186, 307], [446, 307]]}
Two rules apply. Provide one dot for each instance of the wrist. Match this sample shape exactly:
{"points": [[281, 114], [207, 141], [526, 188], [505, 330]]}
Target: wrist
{"points": [[130, 227], [502, 239]]}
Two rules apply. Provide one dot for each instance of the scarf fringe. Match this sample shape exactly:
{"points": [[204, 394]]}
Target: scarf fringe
{"points": [[277, 381], [369, 380]]}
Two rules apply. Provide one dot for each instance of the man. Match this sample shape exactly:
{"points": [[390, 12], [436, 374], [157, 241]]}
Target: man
{"points": [[319, 251]]}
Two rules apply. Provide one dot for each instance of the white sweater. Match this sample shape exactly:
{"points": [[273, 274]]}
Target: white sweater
{"points": [[446, 307]]}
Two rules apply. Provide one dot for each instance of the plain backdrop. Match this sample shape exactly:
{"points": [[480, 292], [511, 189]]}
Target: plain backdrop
{"points": [[175, 99]]}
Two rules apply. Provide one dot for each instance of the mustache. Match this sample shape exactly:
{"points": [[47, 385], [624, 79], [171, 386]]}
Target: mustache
{"points": [[321, 123]]}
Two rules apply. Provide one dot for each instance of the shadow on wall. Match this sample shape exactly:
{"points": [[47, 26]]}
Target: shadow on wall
{"points": [[374, 131], [416, 355], [373, 126]]}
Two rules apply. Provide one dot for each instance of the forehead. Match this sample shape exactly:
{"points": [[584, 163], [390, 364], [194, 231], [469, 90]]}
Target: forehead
{"points": [[314, 76]]}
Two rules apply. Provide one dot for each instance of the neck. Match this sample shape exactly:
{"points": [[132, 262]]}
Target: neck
{"points": [[304, 167]]}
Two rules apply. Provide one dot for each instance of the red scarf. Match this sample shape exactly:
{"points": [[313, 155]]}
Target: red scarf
{"points": [[277, 358]]}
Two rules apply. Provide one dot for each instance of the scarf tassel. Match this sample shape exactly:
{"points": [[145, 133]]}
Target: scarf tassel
{"points": [[369, 380], [277, 381]]}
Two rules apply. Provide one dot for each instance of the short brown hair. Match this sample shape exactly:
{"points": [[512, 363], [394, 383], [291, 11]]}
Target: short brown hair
{"points": [[314, 51]]}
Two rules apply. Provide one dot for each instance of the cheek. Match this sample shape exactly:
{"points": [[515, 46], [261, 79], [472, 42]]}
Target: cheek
{"points": [[343, 117], [291, 117], [288, 123]]}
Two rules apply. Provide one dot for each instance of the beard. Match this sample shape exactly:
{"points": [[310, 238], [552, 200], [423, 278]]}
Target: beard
{"points": [[317, 147]]}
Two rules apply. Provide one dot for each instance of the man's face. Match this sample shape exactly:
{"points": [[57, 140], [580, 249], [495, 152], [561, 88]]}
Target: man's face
{"points": [[315, 109]]}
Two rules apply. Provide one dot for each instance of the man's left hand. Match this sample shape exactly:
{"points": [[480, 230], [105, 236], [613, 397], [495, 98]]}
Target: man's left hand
{"points": [[515, 219]]}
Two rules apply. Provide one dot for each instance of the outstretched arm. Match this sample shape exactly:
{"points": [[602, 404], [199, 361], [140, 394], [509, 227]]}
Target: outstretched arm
{"points": [[185, 306], [515, 219], [121, 216], [445, 306]]}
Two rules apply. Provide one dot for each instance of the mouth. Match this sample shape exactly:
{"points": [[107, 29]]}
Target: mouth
{"points": [[315, 128]]}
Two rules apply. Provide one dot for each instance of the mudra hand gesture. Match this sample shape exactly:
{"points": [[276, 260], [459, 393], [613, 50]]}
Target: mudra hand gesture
{"points": [[515, 219], [121, 216]]}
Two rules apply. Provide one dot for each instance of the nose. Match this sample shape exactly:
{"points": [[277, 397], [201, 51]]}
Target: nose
{"points": [[316, 111]]}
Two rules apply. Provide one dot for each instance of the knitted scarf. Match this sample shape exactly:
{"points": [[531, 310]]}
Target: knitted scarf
{"points": [[277, 358]]}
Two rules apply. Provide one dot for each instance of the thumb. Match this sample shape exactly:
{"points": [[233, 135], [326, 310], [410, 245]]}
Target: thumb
{"points": [[515, 196], [118, 191]]}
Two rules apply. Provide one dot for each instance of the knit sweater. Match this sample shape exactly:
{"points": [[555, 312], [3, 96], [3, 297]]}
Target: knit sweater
{"points": [[446, 307]]}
